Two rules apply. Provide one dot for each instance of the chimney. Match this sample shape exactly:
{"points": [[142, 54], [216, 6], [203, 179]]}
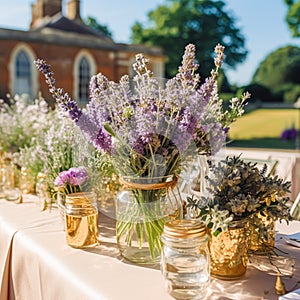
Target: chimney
{"points": [[73, 10], [44, 8]]}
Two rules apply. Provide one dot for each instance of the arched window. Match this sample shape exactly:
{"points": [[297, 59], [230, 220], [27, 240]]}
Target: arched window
{"points": [[84, 79], [23, 76], [83, 69]]}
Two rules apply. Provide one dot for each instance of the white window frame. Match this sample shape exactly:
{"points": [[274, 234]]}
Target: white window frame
{"points": [[92, 64], [12, 69]]}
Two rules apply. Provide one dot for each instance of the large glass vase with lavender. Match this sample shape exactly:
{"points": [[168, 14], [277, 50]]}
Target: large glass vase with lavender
{"points": [[151, 132]]}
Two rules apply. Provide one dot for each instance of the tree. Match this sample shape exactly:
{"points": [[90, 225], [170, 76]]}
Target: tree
{"points": [[92, 23], [204, 23], [293, 17], [279, 72]]}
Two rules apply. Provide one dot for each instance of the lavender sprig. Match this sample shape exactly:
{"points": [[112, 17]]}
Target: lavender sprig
{"points": [[96, 134], [154, 128]]}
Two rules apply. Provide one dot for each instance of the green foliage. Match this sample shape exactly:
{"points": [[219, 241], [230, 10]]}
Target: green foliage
{"points": [[257, 91], [92, 23], [279, 72], [223, 83], [292, 94], [227, 96], [293, 17], [241, 189], [201, 22], [262, 128]]}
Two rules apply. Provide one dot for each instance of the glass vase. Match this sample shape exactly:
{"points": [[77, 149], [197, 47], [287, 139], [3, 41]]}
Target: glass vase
{"points": [[61, 205], [228, 252], [42, 191], [142, 209], [27, 181]]}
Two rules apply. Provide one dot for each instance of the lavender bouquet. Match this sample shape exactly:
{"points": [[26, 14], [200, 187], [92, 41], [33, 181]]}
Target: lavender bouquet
{"points": [[152, 131]]}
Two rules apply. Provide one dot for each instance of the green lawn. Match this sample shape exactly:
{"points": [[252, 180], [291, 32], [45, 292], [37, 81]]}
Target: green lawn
{"points": [[262, 128]]}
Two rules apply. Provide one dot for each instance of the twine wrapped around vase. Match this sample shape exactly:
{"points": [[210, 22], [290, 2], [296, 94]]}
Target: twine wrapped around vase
{"points": [[150, 186], [168, 186]]}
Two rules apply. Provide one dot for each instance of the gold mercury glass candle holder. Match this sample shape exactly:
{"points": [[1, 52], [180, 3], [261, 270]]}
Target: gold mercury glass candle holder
{"points": [[228, 252]]}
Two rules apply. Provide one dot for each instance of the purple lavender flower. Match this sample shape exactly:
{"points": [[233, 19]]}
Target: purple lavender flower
{"points": [[153, 126], [187, 70], [62, 178], [95, 132], [77, 176], [73, 176], [289, 134]]}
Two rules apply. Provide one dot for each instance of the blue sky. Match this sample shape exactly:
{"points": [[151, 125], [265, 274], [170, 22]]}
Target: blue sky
{"points": [[261, 22]]}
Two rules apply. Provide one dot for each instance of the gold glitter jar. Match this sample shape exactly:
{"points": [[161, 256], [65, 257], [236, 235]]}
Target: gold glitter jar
{"points": [[228, 252]]}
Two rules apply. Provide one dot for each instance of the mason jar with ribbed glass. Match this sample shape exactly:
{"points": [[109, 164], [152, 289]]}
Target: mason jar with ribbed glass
{"points": [[185, 262]]}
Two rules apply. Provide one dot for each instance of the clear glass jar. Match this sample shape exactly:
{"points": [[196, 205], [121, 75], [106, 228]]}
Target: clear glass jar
{"points": [[9, 178], [42, 191], [27, 181], [8, 174], [61, 204], [185, 262], [81, 217]]}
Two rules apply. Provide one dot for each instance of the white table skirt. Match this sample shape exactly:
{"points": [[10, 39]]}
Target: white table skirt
{"points": [[36, 263]]}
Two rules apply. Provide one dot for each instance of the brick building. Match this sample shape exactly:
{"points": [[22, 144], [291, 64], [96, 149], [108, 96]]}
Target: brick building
{"points": [[75, 52]]}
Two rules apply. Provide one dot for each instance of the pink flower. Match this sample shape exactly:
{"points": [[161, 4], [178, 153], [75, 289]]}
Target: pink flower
{"points": [[74, 176], [62, 178], [77, 176]]}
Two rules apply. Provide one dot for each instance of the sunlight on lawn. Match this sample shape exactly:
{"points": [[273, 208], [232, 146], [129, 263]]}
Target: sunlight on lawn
{"points": [[264, 123]]}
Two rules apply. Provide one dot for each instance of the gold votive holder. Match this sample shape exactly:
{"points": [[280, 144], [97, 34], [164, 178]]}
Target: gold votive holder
{"points": [[81, 220], [228, 252]]}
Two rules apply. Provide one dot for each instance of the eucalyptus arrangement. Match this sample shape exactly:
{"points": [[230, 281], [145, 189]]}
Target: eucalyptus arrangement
{"points": [[237, 190], [151, 131]]}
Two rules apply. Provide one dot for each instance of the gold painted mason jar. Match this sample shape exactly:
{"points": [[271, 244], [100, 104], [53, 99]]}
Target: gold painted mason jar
{"points": [[81, 217], [228, 252], [185, 259]]}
